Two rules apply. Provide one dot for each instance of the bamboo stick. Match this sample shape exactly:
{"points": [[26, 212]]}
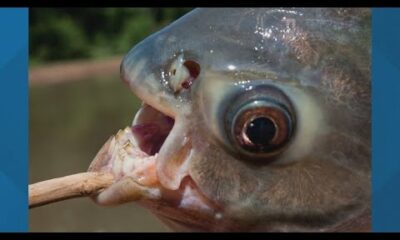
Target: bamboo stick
{"points": [[72, 186]]}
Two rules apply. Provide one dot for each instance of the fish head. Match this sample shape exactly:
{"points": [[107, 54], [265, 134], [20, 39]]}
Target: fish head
{"points": [[252, 120]]}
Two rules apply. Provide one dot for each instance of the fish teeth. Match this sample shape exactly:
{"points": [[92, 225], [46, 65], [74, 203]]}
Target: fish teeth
{"points": [[125, 135], [128, 159]]}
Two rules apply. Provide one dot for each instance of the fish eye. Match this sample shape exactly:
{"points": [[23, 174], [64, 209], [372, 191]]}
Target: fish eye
{"points": [[262, 129], [262, 126]]}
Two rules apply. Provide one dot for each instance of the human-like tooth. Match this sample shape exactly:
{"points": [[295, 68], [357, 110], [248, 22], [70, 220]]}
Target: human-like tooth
{"points": [[129, 164], [125, 158], [127, 146], [124, 135]]}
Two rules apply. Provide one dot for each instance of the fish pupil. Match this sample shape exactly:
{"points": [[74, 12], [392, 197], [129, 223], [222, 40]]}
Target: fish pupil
{"points": [[261, 131]]}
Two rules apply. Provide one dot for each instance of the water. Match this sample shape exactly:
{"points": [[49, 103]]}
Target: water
{"points": [[68, 124]]}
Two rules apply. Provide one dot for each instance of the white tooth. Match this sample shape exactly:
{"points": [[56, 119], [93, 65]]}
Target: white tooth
{"points": [[127, 147], [128, 165], [124, 153]]}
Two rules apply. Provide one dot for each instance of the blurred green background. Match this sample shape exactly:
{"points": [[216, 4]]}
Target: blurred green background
{"points": [[70, 121], [87, 33]]}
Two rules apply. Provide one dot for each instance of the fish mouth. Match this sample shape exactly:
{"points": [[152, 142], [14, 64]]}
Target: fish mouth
{"points": [[133, 156], [150, 128]]}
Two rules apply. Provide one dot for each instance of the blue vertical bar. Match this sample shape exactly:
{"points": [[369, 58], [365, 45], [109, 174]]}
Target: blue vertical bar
{"points": [[386, 120], [13, 119]]}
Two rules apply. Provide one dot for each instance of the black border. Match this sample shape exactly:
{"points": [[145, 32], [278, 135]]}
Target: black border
{"points": [[192, 3], [202, 236]]}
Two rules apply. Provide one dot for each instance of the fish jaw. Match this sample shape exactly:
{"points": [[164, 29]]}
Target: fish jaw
{"points": [[150, 78], [135, 168]]}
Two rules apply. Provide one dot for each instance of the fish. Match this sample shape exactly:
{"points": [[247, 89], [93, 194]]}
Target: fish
{"points": [[253, 119]]}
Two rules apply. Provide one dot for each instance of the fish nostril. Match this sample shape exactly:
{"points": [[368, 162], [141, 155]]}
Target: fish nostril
{"points": [[194, 71], [183, 73]]}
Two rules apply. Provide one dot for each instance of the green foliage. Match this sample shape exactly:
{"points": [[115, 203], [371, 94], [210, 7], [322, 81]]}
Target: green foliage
{"points": [[67, 33]]}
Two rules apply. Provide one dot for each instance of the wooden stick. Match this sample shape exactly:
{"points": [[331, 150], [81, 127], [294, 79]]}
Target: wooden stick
{"points": [[72, 186]]}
